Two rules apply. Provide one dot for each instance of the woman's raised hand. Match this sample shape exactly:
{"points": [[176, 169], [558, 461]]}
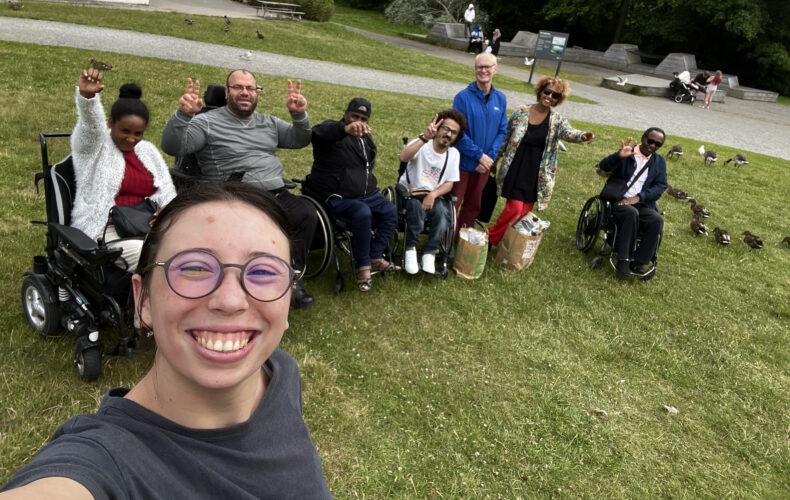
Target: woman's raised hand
{"points": [[190, 103], [626, 148], [90, 82]]}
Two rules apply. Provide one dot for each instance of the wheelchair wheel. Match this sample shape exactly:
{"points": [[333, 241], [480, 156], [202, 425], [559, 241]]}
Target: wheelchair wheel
{"points": [[38, 302], [88, 362], [392, 248], [678, 98], [589, 225], [323, 241]]}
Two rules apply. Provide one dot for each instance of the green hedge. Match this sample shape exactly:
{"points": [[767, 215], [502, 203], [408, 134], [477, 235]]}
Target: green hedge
{"points": [[317, 10]]}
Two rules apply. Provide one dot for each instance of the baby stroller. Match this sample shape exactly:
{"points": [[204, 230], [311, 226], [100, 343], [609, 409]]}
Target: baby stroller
{"points": [[683, 90]]}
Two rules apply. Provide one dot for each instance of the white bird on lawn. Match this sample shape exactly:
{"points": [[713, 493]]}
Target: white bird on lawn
{"points": [[247, 55], [701, 150], [528, 61], [622, 80]]}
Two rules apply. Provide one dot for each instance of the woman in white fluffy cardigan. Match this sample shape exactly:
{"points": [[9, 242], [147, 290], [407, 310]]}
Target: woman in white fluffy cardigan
{"points": [[114, 166]]}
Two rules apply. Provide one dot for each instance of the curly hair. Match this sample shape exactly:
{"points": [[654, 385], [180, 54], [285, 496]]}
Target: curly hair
{"points": [[458, 118], [556, 83]]}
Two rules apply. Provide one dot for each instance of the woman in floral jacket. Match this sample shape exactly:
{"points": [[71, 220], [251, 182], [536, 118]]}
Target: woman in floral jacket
{"points": [[529, 160]]}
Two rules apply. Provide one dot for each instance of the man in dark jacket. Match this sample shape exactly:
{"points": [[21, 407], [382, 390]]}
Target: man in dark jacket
{"points": [[344, 155], [638, 210]]}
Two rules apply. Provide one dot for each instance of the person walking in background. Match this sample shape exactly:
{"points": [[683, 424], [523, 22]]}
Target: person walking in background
{"points": [[495, 39], [713, 85], [529, 160], [469, 19], [485, 109]]}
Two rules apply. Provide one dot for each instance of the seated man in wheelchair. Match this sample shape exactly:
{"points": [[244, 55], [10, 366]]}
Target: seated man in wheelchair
{"points": [[235, 138], [645, 173], [431, 171], [344, 156]]}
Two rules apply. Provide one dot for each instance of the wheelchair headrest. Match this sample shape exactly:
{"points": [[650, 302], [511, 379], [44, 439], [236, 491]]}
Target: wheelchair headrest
{"points": [[214, 97]]}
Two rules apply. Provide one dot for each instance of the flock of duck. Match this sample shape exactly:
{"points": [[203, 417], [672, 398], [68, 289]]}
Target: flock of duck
{"points": [[699, 212]]}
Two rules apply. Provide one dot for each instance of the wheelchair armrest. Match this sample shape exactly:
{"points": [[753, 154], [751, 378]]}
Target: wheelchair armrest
{"points": [[85, 247], [402, 190], [289, 184]]}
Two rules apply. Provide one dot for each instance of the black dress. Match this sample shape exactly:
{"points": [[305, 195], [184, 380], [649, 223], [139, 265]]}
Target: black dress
{"points": [[521, 181]]}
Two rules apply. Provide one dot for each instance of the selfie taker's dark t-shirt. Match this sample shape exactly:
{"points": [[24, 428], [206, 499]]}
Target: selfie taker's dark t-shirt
{"points": [[127, 452]]}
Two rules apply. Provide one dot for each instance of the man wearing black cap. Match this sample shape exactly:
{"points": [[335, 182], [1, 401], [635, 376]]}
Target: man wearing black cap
{"points": [[344, 155]]}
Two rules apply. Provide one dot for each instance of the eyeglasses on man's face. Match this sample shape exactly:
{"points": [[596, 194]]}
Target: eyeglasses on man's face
{"points": [[484, 67], [194, 274], [448, 130], [248, 88]]}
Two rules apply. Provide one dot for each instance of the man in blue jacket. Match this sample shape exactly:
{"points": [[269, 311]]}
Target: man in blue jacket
{"points": [[485, 109], [637, 211]]}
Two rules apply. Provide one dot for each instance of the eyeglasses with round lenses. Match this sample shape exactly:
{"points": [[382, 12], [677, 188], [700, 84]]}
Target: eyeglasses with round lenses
{"points": [[484, 66], [448, 130], [248, 88], [194, 274]]}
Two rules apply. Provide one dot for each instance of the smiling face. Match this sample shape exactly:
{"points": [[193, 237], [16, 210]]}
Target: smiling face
{"points": [[127, 131], [447, 133], [485, 69], [219, 341], [651, 142], [241, 102]]}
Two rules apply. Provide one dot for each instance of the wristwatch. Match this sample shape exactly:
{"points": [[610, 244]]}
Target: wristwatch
{"points": [[422, 138]]}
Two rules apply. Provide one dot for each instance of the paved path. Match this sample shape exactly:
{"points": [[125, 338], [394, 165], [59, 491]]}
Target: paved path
{"points": [[744, 125]]}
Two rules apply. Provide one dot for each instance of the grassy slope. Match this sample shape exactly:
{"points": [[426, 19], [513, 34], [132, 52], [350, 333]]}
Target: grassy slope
{"points": [[426, 388], [322, 41]]}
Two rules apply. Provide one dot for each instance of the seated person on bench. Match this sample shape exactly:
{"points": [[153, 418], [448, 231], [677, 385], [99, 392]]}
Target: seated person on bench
{"points": [[638, 210], [235, 138], [430, 174], [114, 166], [344, 156]]}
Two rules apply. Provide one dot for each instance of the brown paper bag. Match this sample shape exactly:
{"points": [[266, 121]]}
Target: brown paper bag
{"points": [[517, 250], [470, 259]]}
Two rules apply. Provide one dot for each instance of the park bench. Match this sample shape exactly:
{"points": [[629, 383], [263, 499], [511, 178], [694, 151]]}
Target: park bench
{"points": [[279, 10]]}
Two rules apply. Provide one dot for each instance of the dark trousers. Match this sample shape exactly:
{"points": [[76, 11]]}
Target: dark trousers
{"points": [[631, 219], [363, 214], [303, 219]]}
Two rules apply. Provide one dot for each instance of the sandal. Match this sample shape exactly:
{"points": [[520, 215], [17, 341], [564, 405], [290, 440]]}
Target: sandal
{"points": [[383, 266], [364, 283]]}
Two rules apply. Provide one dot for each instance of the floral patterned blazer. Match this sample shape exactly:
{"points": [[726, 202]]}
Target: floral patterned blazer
{"points": [[559, 128]]}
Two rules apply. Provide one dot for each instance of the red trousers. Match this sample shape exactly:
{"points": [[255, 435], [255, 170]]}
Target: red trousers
{"points": [[514, 210], [467, 192]]}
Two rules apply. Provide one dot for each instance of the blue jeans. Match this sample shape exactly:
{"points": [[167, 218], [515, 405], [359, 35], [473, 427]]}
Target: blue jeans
{"points": [[438, 219], [362, 215]]}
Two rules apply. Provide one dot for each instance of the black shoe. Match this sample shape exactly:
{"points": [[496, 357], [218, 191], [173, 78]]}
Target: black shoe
{"points": [[623, 269], [300, 299], [637, 268]]}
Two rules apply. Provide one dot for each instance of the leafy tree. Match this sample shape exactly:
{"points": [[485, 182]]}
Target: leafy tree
{"points": [[429, 12]]}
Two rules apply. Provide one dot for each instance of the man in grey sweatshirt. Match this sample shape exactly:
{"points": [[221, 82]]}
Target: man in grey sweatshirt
{"points": [[235, 139]]}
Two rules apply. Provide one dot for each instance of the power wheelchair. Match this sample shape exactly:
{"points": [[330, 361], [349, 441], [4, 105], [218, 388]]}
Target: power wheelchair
{"points": [[186, 172], [75, 286], [399, 195], [596, 221]]}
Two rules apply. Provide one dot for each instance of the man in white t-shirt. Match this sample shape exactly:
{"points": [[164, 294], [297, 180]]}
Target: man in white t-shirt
{"points": [[430, 173]]}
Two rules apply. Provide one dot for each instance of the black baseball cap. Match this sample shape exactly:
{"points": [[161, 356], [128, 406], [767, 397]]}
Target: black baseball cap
{"points": [[359, 105]]}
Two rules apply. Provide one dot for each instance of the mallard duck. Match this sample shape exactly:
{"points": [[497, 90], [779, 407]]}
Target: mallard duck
{"points": [[101, 66], [722, 236], [188, 22], [13, 5], [675, 152], [752, 240], [226, 29], [739, 160], [698, 210], [786, 240], [698, 227], [711, 157], [227, 20], [677, 193], [259, 34]]}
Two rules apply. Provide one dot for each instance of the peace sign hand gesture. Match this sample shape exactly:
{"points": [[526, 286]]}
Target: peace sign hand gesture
{"points": [[296, 103], [433, 128], [90, 82], [190, 103], [626, 148]]}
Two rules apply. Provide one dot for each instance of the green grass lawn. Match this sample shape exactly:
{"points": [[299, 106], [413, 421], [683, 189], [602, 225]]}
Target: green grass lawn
{"points": [[322, 41], [373, 21], [434, 389]]}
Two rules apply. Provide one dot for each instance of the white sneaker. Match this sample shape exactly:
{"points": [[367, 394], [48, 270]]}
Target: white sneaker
{"points": [[411, 261], [428, 261]]}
